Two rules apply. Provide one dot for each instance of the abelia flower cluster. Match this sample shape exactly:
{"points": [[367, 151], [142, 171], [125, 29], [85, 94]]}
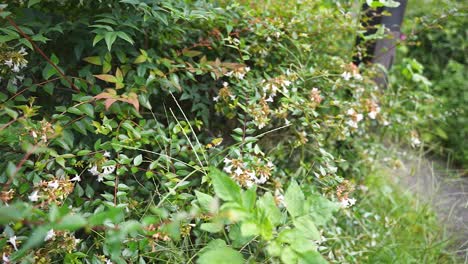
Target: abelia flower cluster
{"points": [[245, 176], [354, 118]]}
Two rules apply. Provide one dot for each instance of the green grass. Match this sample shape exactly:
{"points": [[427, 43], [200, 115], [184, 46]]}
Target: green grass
{"points": [[389, 225]]}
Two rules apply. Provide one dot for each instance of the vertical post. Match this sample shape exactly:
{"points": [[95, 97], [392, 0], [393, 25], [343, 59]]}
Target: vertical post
{"points": [[382, 51]]}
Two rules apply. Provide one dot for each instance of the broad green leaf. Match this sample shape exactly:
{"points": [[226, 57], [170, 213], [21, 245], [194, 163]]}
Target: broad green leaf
{"points": [[321, 209], [205, 201], [307, 228], [311, 257], [249, 228], [294, 199], [221, 255], [71, 222], [267, 205], [248, 198], [88, 109], [225, 187], [212, 227]]}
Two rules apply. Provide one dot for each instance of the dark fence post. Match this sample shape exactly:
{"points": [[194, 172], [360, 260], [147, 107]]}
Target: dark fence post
{"points": [[381, 51]]}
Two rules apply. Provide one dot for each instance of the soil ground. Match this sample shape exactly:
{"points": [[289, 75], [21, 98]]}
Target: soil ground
{"points": [[433, 182]]}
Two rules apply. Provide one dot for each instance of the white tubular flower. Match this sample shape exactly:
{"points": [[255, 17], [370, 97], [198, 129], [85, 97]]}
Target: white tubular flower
{"points": [[227, 160], [94, 171], [238, 171], [269, 99], [108, 169], [216, 99], [22, 51], [33, 197], [76, 178], [12, 241], [228, 169], [100, 177], [50, 235], [107, 154], [9, 63], [225, 84]]}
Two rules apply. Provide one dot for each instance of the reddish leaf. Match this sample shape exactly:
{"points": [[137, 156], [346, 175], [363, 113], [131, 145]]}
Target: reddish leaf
{"points": [[109, 102]]}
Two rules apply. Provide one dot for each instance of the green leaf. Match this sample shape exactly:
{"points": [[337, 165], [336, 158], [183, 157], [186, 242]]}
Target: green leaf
{"points": [[33, 2], [221, 255], [205, 201], [71, 222], [93, 60], [311, 257], [138, 160], [248, 198], [294, 199], [88, 109], [125, 37], [225, 187], [249, 228], [267, 205], [307, 227], [109, 38], [212, 227], [321, 209]]}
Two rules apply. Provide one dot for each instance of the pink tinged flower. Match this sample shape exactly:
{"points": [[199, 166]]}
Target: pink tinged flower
{"points": [[76, 178], [12, 241], [359, 117], [351, 111], [53, 184], [50, 235], [5, 259], [33, 197]]}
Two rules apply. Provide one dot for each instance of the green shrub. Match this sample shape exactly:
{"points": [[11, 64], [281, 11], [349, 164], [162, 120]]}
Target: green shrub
{"points": [[181, 131]]}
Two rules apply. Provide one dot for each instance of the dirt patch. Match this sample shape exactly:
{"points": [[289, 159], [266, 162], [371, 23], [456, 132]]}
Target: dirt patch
{"points": [[433, 182]]}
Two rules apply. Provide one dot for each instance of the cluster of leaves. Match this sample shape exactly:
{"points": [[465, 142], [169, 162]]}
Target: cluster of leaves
{"points": [[164, 131]]}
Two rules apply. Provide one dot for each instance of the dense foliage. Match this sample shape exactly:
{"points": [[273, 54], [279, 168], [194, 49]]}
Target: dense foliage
{"points": [[184, 131], [437, 40]]}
